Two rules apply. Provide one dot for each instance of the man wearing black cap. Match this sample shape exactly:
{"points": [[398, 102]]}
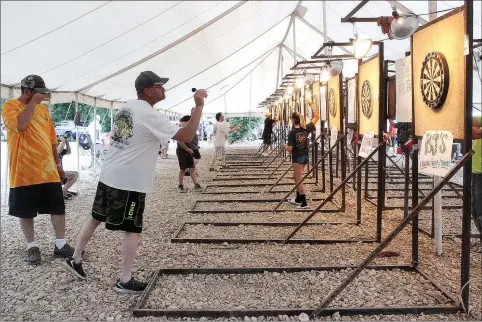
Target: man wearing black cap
{"points": [[34, 165], [128, 171]]}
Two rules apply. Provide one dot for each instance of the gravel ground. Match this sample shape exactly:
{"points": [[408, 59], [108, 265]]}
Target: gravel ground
{"points": [[47, 292], [292, 290]]}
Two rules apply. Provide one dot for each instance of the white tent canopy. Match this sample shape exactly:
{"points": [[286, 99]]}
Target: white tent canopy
{"points": [[97, 48]]}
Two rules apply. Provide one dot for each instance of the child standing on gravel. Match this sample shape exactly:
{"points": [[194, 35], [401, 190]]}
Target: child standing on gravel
{"points": [[185, 156]]}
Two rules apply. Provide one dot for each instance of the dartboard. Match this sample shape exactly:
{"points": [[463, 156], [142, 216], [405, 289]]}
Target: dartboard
{"points": [[366, 99], [434, 80], [331, 102]]}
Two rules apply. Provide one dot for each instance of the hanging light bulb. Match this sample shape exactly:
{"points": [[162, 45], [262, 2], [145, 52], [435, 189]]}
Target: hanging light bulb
{"points": [[403, 26], [300, 82], [325, 75], [361, 46], [290, 90], [335, 67]]}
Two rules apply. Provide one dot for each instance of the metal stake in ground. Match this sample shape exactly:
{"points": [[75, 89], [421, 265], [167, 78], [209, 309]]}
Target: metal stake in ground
{"points": [[392, 235]]}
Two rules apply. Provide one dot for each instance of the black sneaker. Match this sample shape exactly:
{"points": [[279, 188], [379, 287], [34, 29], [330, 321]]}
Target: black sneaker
{"points": [[33, 256], [181, 189], [74, 268], [66, 251], [294, 201], [303, 205], [131, 287], [197, 187]]}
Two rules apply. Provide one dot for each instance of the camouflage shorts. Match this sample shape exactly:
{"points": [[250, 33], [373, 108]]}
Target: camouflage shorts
{"points": [[119, 209]]}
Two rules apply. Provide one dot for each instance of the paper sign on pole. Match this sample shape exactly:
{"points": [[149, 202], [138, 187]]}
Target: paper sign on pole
{"points": [[435, 153], [333, 135], [323, 103], [351, 100], [366, 145], [403, 85]]}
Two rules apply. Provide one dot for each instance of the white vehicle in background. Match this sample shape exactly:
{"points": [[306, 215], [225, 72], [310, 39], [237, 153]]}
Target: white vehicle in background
{"points": [[3, 137]]}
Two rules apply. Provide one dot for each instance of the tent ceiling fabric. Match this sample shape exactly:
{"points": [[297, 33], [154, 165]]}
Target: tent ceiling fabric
{"points": [[232, 49]]}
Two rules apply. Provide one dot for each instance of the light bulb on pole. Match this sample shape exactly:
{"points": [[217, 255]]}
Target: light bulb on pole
{"points": [[325, 75], [300, 82], [361, 47]]}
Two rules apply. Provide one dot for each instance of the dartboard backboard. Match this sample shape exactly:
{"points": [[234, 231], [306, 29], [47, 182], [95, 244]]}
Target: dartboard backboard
{"points": [[333, 101], [437, 52], [368, 95]]}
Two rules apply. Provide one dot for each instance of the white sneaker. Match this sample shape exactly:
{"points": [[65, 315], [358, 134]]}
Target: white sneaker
{"points": [[293, 202]]}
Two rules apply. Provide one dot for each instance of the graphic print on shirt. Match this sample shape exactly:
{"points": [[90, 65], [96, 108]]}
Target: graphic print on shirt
{"points": [[301, 141], [123, 128]]}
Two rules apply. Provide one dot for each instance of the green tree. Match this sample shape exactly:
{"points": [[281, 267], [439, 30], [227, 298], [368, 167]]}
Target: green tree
{"points": [[66, 112], [248, 124]]}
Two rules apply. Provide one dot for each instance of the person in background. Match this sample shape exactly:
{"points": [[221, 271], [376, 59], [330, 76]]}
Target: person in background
{"points": [[392, 132], [128, 174], [185, 152], [95, 135], [298, 146], [267, 132], [221, 131], [164, 147], [194, 145], [70, 176], [34, 166], [477, 176]]}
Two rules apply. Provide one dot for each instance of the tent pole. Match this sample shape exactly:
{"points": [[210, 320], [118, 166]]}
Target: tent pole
{"points": [[95, 132], [6, 162], [279, 66], [111, 117], [77, 132], [325, 32], [250, 92], [294, 41]]}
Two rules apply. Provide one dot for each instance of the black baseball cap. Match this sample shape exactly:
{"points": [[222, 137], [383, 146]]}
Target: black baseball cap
{"points": [[35, 82], [147, 79]]}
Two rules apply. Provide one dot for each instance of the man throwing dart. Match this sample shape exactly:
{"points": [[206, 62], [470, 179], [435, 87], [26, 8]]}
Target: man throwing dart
{"points": [[128, 173]]}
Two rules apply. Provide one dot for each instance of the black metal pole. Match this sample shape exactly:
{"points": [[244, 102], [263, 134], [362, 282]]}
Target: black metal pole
{"points": [[407, 183], [343, 173], [330, 167], [359, 193], [333, 294], [323, 168], [415, 202], [382, 156], [467, 174]]}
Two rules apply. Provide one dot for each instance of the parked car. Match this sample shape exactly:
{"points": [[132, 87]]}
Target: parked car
{"points": [[64, 127], [4, 133]]}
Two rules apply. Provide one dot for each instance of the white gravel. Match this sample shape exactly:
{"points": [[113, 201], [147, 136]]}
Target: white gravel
{"points": [[47, 292]]}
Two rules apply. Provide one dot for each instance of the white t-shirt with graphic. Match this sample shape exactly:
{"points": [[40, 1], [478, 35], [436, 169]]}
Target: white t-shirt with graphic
{"points": [[131, 159], [221, 135]]}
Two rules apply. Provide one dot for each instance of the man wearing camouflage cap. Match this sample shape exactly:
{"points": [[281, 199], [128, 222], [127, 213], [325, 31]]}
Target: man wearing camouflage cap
{"points": [[35, 167]]}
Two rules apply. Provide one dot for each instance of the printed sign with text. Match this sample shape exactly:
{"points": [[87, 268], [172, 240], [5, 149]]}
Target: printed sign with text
{"points": [[366, 145], [333, 136], [435, 153]]}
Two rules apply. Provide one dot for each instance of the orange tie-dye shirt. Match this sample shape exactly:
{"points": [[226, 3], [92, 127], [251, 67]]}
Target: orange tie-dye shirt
{"points": [[31, 160]]}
